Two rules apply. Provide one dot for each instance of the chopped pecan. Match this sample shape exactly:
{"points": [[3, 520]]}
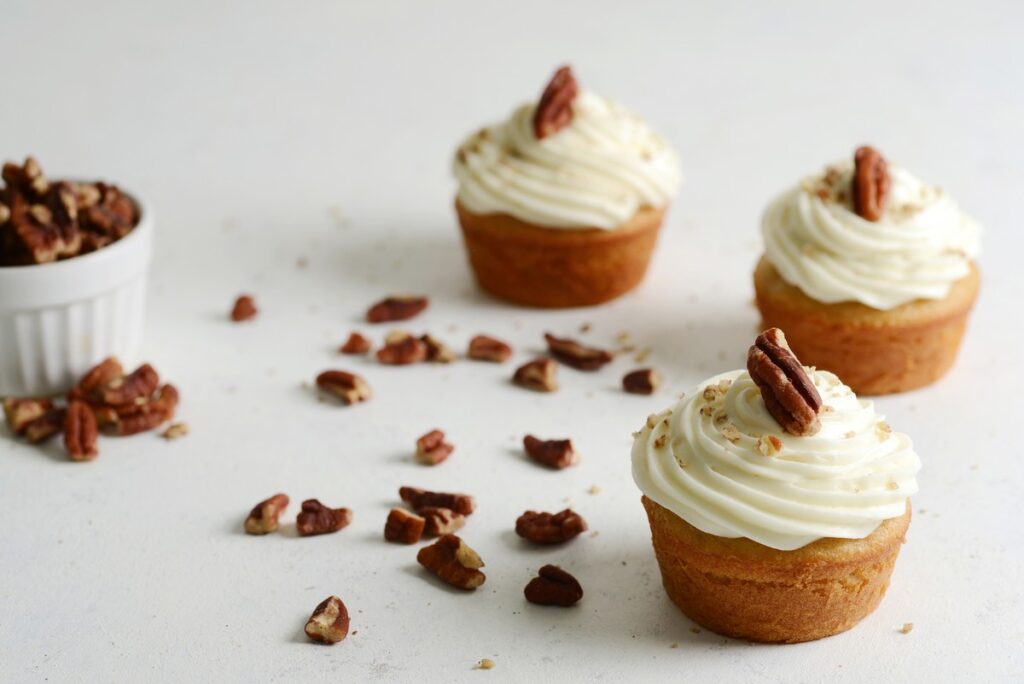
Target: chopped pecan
{"points": [[554, 111], [418, 499], [107, 214], [80, 432], [403, 351], [263, 518], [789, 393], [553, 453], [175, 431], [870, 183], [403, 527], [329, 622], [453, 562], [540, 375], [437, 351], [484, 348], [46, 426], [138, 386], [440, 521], [553, 587], [21, 412], [315, 518], [431, 448], [355, 344], [348, 387], [396, 309], [550, 528], [642, 381], [244, 309], [572, 353]]}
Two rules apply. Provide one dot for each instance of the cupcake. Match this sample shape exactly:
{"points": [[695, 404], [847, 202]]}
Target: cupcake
{"points": [[871, 273], [561, 204], [778, 500]]}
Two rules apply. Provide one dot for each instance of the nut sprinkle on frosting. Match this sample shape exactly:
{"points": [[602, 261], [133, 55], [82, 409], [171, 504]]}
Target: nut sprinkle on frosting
{"points": [[787, 390]]}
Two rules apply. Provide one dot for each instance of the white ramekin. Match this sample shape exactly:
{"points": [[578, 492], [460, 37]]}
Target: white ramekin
{"points": [[59, 319]]}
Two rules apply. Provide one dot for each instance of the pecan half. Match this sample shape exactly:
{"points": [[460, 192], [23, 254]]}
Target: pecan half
{"points": [[329, 622], [431, 448], [355, 344], [553, 587], [80, 432], [572, 353], [19, 413], [870, 183], [348, 387], [403, 351], [403, 527], [540, 375], [263, 518], [484, 348], [46, 426], [642, 381], [139, 385], [418, 499], [440, 521], [131, 419], [97, 378], [315, 518], [550, 528], [554, 111], [437, 351], [553, 453], [453, 562], [396, 309], [787, 390], [244, 309]]}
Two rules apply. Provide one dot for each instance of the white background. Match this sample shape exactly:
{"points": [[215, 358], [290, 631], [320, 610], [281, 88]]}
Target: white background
{"points": [[265, 132]]}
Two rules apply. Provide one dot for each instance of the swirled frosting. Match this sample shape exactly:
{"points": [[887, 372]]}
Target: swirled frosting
{"points": [[921, 245], [721, 462], [596, 172]]}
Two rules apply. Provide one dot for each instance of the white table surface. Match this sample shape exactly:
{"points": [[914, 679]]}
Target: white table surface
{"points": [[266, 132]]}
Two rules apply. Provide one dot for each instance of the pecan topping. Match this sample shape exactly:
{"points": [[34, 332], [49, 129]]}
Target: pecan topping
{"points": [[787, 390], [21, 412], [870, 183], [80, 432], [441, 521], [453, 562], [553, 453], [539, 375], [553, 587], [431, 448], [329, 622], [642, 381], [263, 518], [418, 499], [554, 111], [130, 389], [403, 527], [572, 353], [437, 351], [315, 518], [550, 528], [396, 309], [355, 344], [403, 351], [484, 348], [244, 309], [348, 387]]}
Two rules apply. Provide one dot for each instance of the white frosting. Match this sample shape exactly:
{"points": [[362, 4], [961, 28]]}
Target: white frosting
{"points": [[921, 245], [596, 172], [709, 470]]}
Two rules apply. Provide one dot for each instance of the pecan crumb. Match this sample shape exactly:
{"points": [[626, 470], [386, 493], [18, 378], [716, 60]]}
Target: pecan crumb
{"points": [[553, 453], [553, 587], [484, 664], [244, 309], [355, 344], [769, 445], [641, 381], [431, 448], [454, 562], [906, 628], [572, 353], [484, 348], [550, 528], [539, 375], [731, 433], [315, 518], [264, 517], [329, 622], [396, 309], [403, 527], [348, 387], [175, 431]]}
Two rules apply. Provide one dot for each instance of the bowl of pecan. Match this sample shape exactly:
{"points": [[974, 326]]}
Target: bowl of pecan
{"points": [[73, 262]]}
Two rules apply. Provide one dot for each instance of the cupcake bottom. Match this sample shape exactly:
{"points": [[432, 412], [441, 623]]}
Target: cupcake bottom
{"points": [[742, 589], [873, 351], [554, 268]]}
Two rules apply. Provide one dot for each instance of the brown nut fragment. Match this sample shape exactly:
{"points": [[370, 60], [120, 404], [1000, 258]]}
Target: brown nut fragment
{"points": [[553, 453], [540, 375], [403, 351], [553, 587], [97, 378], [437, 351], [440, 521], [355, 344], [550, 528], [431, 448], [80, 432], [396, 309], [403, 527], [484, 348], [453, 562], [263, 518], [46, 426], [19, 413], [315, 518], [789, 393], [418, 499], [641, 381], [175, 431], [244, 309], [348, 387], [572, 353], [329, 622], [554, 111], [871, 183], [134, 388]]}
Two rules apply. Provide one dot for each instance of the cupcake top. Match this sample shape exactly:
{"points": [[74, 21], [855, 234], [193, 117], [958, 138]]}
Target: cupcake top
{"points": [[722, 461], [865, 231], [573, 160]]}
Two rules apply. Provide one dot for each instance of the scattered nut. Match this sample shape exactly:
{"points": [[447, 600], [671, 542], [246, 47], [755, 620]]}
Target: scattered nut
{"points": [[539, 375], [130, 389], [418, 499], [315, 518], [263, 518], [437, 351], [440, 521], [80, 432], [396, 309], [484, 348], [402, 352], [553, 587], [431, 448], [348, 387], [329, 622], [175, 431], [19, 413], [550, 528], [553, 453], [403, 527], [906, 628], [46, 426], [642, 381], [769, 445], [244, 309], [484, 664], [453, 562], [572, 353], [355, 344]]}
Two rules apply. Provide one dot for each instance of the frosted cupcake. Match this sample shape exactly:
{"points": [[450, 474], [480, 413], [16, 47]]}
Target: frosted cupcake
{"points": [[871, 273], [561, 204], [778, 500]]}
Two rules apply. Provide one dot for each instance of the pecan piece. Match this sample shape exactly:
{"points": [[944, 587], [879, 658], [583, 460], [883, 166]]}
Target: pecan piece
{"points": [[403, 527], [554, 111], [132, 419], [396, 309], [175, 431], [348, 387], [484, 348], [244, 309], [437, 351], [97, 378], [870, 183], [788, 392], [329, 622], [138, 386], [46, 426], [418, 499], [440, 521], [431, 448], [355, 344], [453, 562], [21, 412], [550, 528], [553, 453], [539, 375], [572, 353], [641, 381], [403, 351], [553, 587], [263, 518], [80, 432], [315, 518]]}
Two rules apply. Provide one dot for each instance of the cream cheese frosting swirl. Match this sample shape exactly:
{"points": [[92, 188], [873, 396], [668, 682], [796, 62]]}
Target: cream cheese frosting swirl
{"points": [[921, 245], [596, 172], [721, 462]]}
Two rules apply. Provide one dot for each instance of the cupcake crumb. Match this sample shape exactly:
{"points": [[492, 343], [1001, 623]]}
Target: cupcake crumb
{"points": [[906, 628]]}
